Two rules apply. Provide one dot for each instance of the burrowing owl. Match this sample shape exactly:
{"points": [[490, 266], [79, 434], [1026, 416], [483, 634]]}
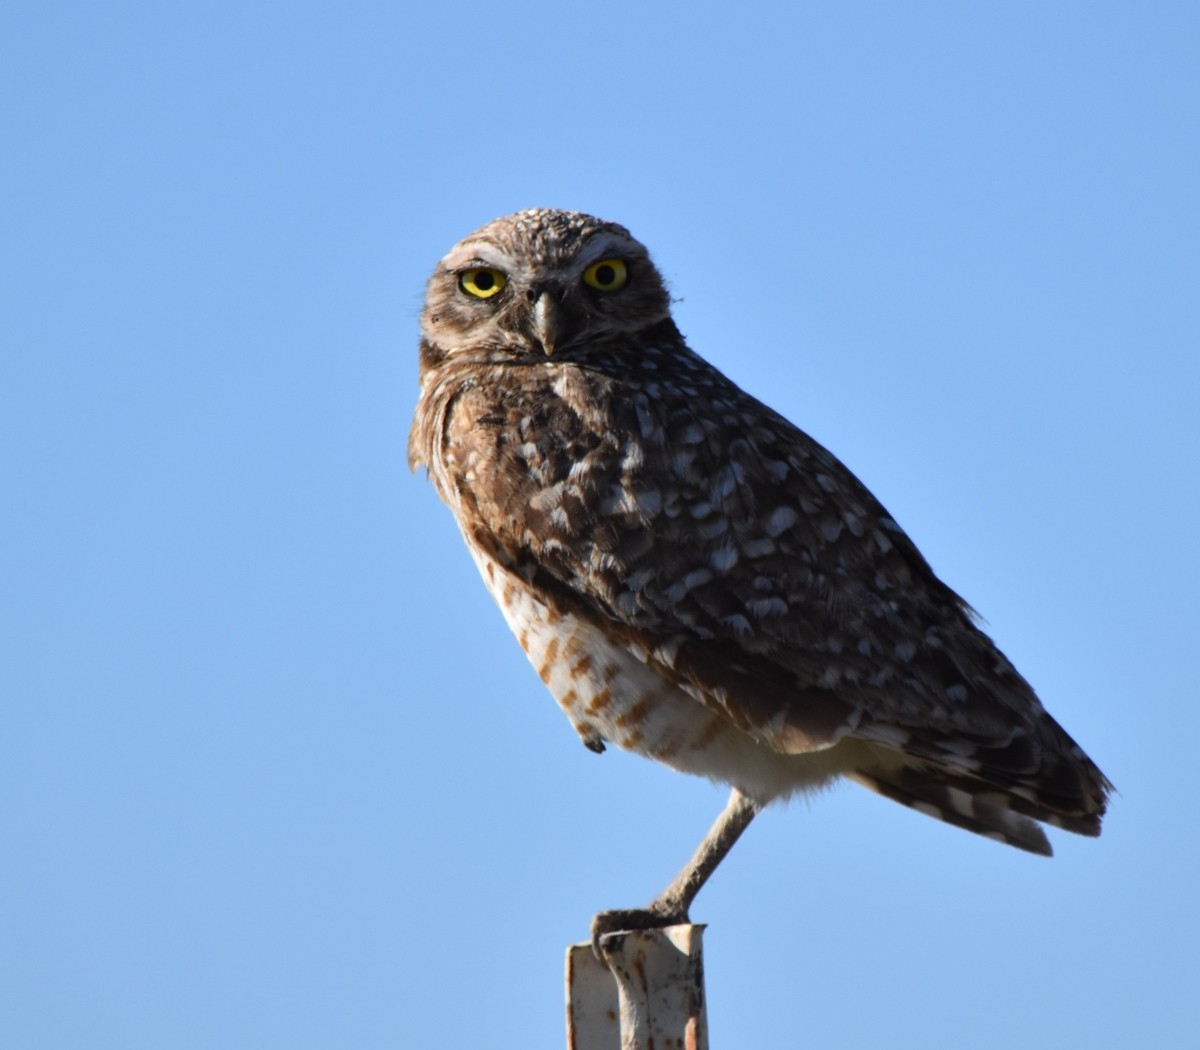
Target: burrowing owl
{"points": [[694, 578]]}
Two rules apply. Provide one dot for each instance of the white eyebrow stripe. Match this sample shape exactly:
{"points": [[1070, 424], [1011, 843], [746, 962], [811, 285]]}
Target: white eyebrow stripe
{"points": [[478, 253]]}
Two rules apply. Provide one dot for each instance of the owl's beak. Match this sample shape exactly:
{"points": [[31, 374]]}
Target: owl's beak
{"points": [[549, 322]]}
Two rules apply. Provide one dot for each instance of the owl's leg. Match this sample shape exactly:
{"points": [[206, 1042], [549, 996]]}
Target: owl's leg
{"points": [[671, 906]]}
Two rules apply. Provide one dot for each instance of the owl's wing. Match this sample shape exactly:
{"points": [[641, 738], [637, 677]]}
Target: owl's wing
{"points": [[730, 550]]}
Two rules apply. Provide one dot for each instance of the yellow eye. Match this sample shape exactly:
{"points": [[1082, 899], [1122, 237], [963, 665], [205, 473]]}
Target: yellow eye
{"points": [[608, 275], [482, 283]]}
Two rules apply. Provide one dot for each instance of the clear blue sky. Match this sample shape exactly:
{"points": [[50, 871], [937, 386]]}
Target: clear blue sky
{"points": [[273, 772]]}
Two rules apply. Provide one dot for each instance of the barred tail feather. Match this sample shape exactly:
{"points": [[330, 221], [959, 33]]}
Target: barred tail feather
{"points": [[974, 807], [997, 787]]}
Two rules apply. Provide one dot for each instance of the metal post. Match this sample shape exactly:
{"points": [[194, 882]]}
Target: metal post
{"points": [[648, 993]]}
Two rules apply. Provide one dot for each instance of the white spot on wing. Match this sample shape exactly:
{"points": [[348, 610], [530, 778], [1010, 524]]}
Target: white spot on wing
{"points": [[723, 559], [759, 548], [762, 607], [961, 801], [738, 624], [780, 520]]}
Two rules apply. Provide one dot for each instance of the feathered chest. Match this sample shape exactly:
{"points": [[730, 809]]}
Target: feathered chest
{"points": [[616, 482]]}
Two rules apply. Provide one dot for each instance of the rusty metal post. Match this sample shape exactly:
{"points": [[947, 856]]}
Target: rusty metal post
{"points": [[648, 992]]}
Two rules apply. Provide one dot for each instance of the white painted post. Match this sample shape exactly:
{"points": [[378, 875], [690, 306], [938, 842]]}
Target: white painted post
{"points": [[648, 993]]}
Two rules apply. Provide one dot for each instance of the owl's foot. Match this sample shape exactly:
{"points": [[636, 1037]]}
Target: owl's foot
{"points": [[655, 917], [671, 908]]}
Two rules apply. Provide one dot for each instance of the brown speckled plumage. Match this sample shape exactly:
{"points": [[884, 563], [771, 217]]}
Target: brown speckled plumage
{"points": [[694, 578]]}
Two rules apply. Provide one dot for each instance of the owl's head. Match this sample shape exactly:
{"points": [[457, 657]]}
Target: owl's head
{"points": [[537, 284]]}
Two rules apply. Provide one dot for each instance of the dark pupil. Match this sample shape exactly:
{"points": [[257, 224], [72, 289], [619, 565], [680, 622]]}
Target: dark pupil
{"points": [[605, 274], [484, 280]]}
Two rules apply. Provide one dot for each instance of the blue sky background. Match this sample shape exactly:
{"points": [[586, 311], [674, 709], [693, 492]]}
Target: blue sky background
{"points": [[273, 772]]}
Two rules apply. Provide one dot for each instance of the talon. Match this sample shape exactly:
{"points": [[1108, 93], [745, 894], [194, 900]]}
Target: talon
{"points": [[628, 920]]}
